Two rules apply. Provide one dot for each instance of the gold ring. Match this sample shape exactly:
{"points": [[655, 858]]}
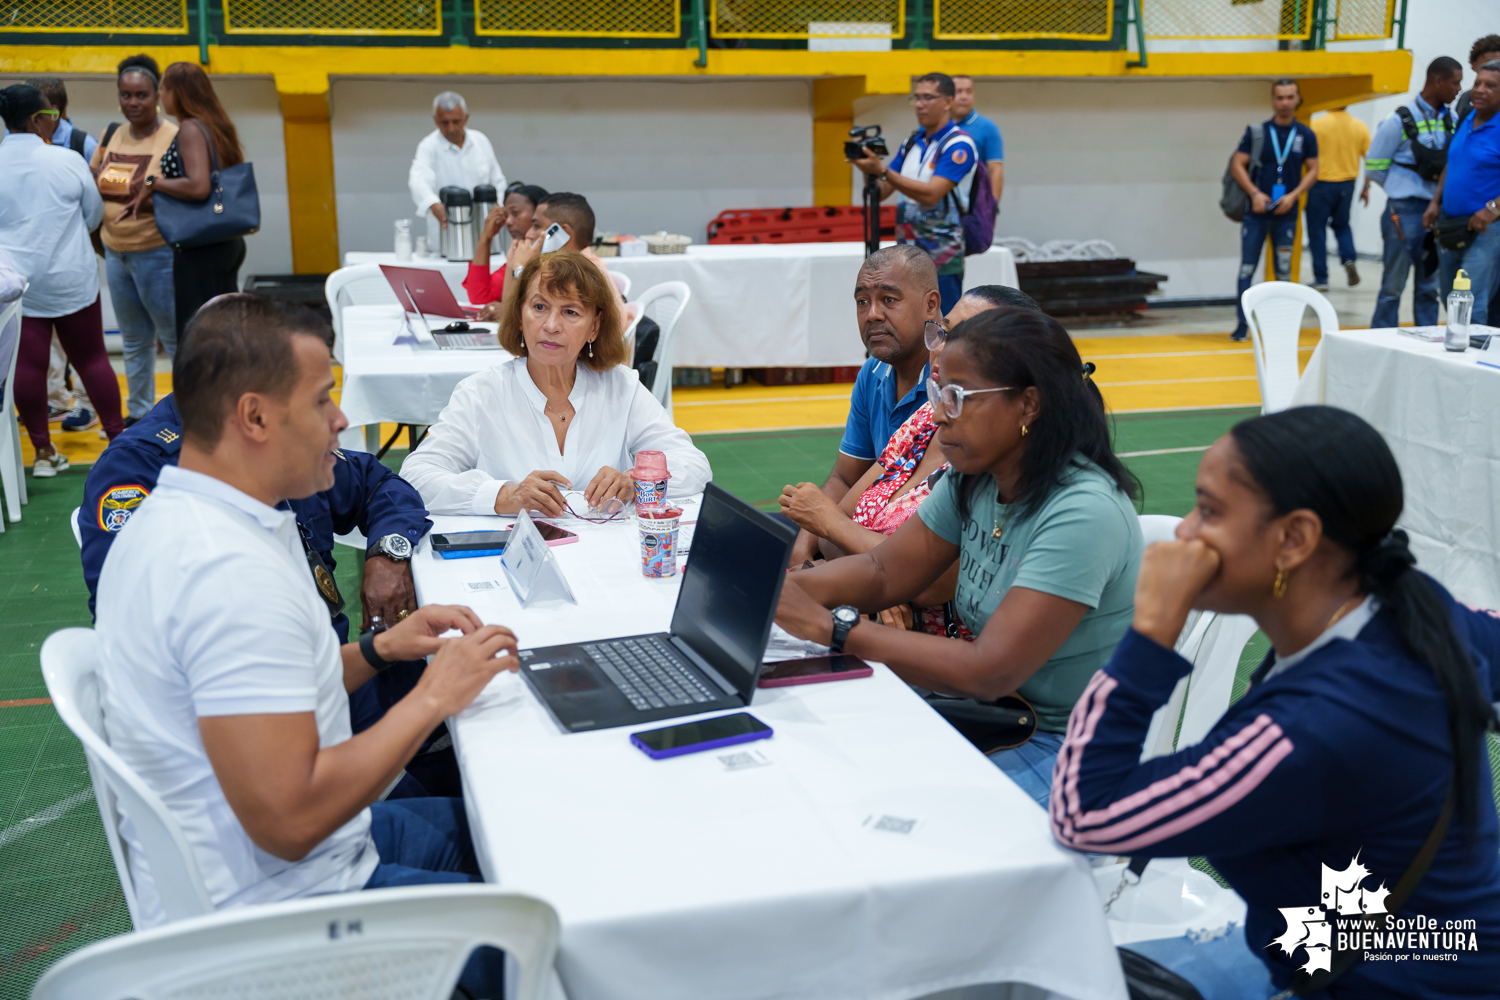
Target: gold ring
{"points": [[402, 615]]}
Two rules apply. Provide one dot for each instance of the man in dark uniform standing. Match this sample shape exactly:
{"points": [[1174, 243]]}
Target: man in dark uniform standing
{"points": [[365, 496]]}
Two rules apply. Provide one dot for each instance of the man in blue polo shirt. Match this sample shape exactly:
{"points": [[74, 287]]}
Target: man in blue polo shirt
{"points": [[985, 133], [1286, 147], [1470, 186], [895, 296], [931, 174]]}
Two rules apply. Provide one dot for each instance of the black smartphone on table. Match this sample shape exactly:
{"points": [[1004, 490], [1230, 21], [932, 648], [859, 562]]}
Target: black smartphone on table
{"points": [[705, 734], [814, 670]]}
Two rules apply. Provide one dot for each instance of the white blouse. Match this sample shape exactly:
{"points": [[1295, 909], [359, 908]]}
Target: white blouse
{"points": [[493, 432]]}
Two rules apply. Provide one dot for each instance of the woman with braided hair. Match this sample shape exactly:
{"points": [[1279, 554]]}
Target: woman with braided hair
{"points": [[1360, 736]]}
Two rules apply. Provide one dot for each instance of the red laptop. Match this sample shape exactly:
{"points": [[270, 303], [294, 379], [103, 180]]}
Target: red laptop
{"points": [[430, 291]]}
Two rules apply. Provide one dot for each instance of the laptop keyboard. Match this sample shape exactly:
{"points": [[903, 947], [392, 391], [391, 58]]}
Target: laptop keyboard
{"points": [[646, 674], [461, 341]]}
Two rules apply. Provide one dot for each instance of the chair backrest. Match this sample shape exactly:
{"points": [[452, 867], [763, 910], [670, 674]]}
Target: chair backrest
{"points": [[665, 303], [1273, 310], [385, 944], [1159, 527], [77, 526], [10, 342], [622, 282], [355, 285], [70, 666]]}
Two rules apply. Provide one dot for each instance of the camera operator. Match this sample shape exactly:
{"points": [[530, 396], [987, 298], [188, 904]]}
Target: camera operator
{"points": [[930, 174]]}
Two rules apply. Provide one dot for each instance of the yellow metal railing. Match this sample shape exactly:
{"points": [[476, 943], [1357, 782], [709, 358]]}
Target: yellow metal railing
{"points": [[800, 19], [598, 18], [138, 17], [1361, 19], [1280, 19], [1091, 20], [333, 17]]}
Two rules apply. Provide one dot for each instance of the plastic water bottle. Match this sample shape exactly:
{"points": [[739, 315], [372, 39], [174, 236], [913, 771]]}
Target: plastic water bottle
{"points": [[1460, 306], [403, 239]]}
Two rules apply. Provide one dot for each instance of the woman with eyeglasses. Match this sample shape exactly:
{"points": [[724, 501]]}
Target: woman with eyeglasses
{"points": [[1038, 512], [895, 486], [48, 205]]}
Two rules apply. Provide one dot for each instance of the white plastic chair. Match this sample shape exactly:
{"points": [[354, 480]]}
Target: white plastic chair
{"points": [[385, 944], [1273, 310], [70, 665], [355, 285], [76, 525], [665, 304], [12, 469], [622, 282]]}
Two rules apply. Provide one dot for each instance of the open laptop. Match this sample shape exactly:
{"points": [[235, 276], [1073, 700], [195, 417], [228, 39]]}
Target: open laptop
{"points": [[447, 339], [424, 290], [711, 658]]}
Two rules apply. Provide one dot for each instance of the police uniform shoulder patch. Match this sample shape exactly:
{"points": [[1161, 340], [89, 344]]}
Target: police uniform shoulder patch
{"points": [[167, 435], [118, 503]]}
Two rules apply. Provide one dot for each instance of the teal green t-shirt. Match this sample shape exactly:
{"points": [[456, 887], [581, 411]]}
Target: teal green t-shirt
{"points": [[1084, 545]]}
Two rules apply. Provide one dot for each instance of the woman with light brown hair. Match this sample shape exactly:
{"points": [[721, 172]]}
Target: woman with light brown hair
{"points": [[565, 413], [199, 273]]}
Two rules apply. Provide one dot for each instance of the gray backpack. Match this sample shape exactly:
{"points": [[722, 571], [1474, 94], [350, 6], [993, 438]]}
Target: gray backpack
{"points": [[1234, 202]]}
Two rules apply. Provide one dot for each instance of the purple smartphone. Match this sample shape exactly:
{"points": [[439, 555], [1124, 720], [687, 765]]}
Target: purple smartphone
{"points": [[814, 670], [705, 734]]}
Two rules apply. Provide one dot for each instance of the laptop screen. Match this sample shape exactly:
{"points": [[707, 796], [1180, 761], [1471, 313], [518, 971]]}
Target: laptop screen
{"points": [[731, 584]]}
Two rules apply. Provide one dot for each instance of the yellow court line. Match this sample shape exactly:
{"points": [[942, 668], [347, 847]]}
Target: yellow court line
{"points": [[1171, 354], [766, 430], [1178, 409], [1179, 381]]}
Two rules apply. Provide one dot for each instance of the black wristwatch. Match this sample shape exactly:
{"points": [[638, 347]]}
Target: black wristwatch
{"points": [[367, 647], [845, 618]]}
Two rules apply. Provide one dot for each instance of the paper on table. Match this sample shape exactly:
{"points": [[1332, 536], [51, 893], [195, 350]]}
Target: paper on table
{"points": [[782, 645], [1430, 334]]}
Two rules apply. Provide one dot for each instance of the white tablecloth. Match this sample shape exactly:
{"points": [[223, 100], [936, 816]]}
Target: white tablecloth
{"points": [[787, 305], [399, 383], [684, 880], [1440, 413]]}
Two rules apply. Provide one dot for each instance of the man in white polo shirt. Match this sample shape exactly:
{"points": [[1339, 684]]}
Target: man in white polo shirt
{"points": [[452, 155], [222, 684]]}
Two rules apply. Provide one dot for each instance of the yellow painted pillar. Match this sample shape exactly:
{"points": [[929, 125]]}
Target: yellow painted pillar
{"points": [[308, 133], [833, 116]]}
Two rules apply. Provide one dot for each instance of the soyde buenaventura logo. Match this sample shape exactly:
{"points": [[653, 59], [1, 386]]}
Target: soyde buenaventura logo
{"points": [[1352, 917]]}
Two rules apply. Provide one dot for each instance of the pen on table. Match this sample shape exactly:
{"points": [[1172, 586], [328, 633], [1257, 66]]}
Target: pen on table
{"points": [[1487, 364]]}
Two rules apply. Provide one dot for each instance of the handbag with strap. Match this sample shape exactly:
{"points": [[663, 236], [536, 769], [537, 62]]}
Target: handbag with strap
{"points": [[231, 209]]}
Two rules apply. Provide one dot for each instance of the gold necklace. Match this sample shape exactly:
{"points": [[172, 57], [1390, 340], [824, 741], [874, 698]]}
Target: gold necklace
{"points": [[999, 524], [1343, 610]]}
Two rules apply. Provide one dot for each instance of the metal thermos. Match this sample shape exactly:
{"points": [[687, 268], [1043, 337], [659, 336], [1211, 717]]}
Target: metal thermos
{"points": [[458, 236], [485, 201]]}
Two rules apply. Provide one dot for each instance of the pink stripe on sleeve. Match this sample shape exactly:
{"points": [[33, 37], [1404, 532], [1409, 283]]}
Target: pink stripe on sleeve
{"points": [[1202, 814]]}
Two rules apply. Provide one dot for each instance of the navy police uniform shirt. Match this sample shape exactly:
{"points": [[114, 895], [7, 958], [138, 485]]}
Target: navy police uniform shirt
{"points": [[1295, 143], [365, 495]]}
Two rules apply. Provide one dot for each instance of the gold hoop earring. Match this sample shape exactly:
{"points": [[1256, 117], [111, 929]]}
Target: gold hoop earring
{"points": [[1023, 430], [1278, 589]]}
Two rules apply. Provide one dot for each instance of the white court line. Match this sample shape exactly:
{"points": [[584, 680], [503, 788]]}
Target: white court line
{"points": [[53, 812], [1161, 451]]}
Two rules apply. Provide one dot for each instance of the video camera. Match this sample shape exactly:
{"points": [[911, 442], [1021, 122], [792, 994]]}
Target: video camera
{"points": [[865, 136]]}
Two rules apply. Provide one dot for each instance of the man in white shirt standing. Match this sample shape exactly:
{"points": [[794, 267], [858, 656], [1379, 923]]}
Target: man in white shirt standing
{"points": [[453, 156], [222, 684]]}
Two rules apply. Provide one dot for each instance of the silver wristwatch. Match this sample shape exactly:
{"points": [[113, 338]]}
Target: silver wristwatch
{"points": [[394, 547], [1493, 205]]}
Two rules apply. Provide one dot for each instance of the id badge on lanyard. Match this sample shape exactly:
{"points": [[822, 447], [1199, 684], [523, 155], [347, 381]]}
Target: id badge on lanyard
{"points": [[1278, 190]]}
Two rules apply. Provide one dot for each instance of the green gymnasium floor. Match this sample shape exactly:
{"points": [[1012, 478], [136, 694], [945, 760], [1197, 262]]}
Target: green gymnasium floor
{"points": [[58, 889]]}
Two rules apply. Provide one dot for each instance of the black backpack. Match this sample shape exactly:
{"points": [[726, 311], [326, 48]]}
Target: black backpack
{"points": [[76, 140], [1430, 162]]}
